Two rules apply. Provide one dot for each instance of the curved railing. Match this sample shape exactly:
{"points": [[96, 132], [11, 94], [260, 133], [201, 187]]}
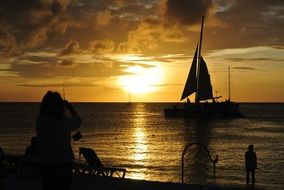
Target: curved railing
{"points": [[183, 153]]}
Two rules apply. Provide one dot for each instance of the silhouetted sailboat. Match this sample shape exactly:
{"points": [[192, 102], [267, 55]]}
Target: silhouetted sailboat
{"points": [[198, 82]]}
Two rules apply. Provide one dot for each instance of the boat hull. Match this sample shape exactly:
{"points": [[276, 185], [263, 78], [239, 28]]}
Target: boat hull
{"points": [[207, 110]]}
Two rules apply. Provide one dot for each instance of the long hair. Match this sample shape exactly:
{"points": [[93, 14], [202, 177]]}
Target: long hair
{"points": [[52, 105]]}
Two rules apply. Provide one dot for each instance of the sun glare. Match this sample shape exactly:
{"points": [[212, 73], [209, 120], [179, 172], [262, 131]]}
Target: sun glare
{"points": [[141, 79]]}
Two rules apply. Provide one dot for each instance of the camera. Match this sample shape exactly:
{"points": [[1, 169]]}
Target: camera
{"points": [[77, 136]]}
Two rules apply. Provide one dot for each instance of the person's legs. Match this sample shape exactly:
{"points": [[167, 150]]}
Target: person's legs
{"points": [[247, 176], [253, 176]]}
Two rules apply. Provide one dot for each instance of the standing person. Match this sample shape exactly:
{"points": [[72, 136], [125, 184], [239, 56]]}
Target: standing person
{"points": [[54, 151], [251, 164]]}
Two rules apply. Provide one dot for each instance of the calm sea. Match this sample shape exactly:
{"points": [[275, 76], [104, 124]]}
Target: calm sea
{"points": [[139, 138]]}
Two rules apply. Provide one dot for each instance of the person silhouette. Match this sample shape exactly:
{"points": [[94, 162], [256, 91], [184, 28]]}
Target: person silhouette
{"points": [[251, 164], [54, 151]]}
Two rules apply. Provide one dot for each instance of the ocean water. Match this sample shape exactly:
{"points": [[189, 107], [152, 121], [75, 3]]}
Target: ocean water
{"points": [[139, 138]]}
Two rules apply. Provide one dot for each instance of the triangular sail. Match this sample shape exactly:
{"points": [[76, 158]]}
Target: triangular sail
{"points": [[204, 86], [191, 82]]}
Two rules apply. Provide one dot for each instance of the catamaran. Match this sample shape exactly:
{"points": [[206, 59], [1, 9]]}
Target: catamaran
{"points": [[198, 82]]}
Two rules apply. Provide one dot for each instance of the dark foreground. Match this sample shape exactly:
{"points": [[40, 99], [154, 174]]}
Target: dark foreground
{"points": [[87, 182]]}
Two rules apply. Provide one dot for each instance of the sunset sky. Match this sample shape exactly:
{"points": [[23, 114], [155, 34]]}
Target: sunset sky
{"points": [[106, 50]]}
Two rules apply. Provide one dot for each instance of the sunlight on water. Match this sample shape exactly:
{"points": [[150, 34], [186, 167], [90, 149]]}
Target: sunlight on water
{"points": [[140, 145], [140, 142], [140, 174]]}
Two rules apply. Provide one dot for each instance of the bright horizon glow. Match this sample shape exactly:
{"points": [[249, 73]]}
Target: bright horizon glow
{"points": [[141, 80], [162, 78]]}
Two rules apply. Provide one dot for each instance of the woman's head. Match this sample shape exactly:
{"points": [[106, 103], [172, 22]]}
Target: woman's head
{"points": [[52, 104]]}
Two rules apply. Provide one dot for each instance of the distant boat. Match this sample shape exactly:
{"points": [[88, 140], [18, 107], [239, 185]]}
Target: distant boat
{"points": [[198, 82]]}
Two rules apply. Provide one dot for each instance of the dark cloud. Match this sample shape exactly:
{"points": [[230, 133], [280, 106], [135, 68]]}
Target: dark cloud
{"points": [[57, 8], [102, 46], [249, 23], [278, 47], [51, 66], [82, 70], [133, 11], [253, 59], [28, 23], [70, 48], [40, 24], [244, 68], [8, 44], [187, 11], [125, 26], [67, 63], [82, 84], [39, 59]]}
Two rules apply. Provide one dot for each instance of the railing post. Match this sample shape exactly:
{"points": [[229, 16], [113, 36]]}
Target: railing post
{"points": [[183, 153]]}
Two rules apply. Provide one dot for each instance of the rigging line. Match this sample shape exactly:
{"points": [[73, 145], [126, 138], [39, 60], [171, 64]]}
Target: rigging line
{"points": [[63, 91], [229, 84], [213, 75]]}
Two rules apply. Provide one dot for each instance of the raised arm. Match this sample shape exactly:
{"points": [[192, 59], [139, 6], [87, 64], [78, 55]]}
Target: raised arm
{"points": [[69, 106], [74, 115]]}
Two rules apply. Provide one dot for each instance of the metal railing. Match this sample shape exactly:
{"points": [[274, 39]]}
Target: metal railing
{"points": [[208, 152]]}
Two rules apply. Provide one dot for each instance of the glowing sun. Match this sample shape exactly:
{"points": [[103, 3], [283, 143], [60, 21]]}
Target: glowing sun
{"points": [[141, 80]]}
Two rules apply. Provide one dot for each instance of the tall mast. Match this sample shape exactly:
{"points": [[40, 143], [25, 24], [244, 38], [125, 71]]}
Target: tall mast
{"points": [[199, 60], [229, 84], [129, 95], [63, 90]]}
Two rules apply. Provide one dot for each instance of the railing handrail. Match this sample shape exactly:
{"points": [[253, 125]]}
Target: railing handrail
{"points": [[208, 152]]}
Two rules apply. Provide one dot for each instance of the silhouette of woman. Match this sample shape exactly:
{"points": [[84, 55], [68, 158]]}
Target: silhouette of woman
{"points": [[54, 149]]}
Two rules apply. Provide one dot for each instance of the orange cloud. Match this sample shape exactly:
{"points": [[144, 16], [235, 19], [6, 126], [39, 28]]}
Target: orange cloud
{"points": [[71, 47], [101, 46], [102, 18]]}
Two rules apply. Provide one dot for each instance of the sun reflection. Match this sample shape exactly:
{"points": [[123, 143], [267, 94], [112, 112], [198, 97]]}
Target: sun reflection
{"points": [[140, 148], [140, 145], [139, 174]]}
